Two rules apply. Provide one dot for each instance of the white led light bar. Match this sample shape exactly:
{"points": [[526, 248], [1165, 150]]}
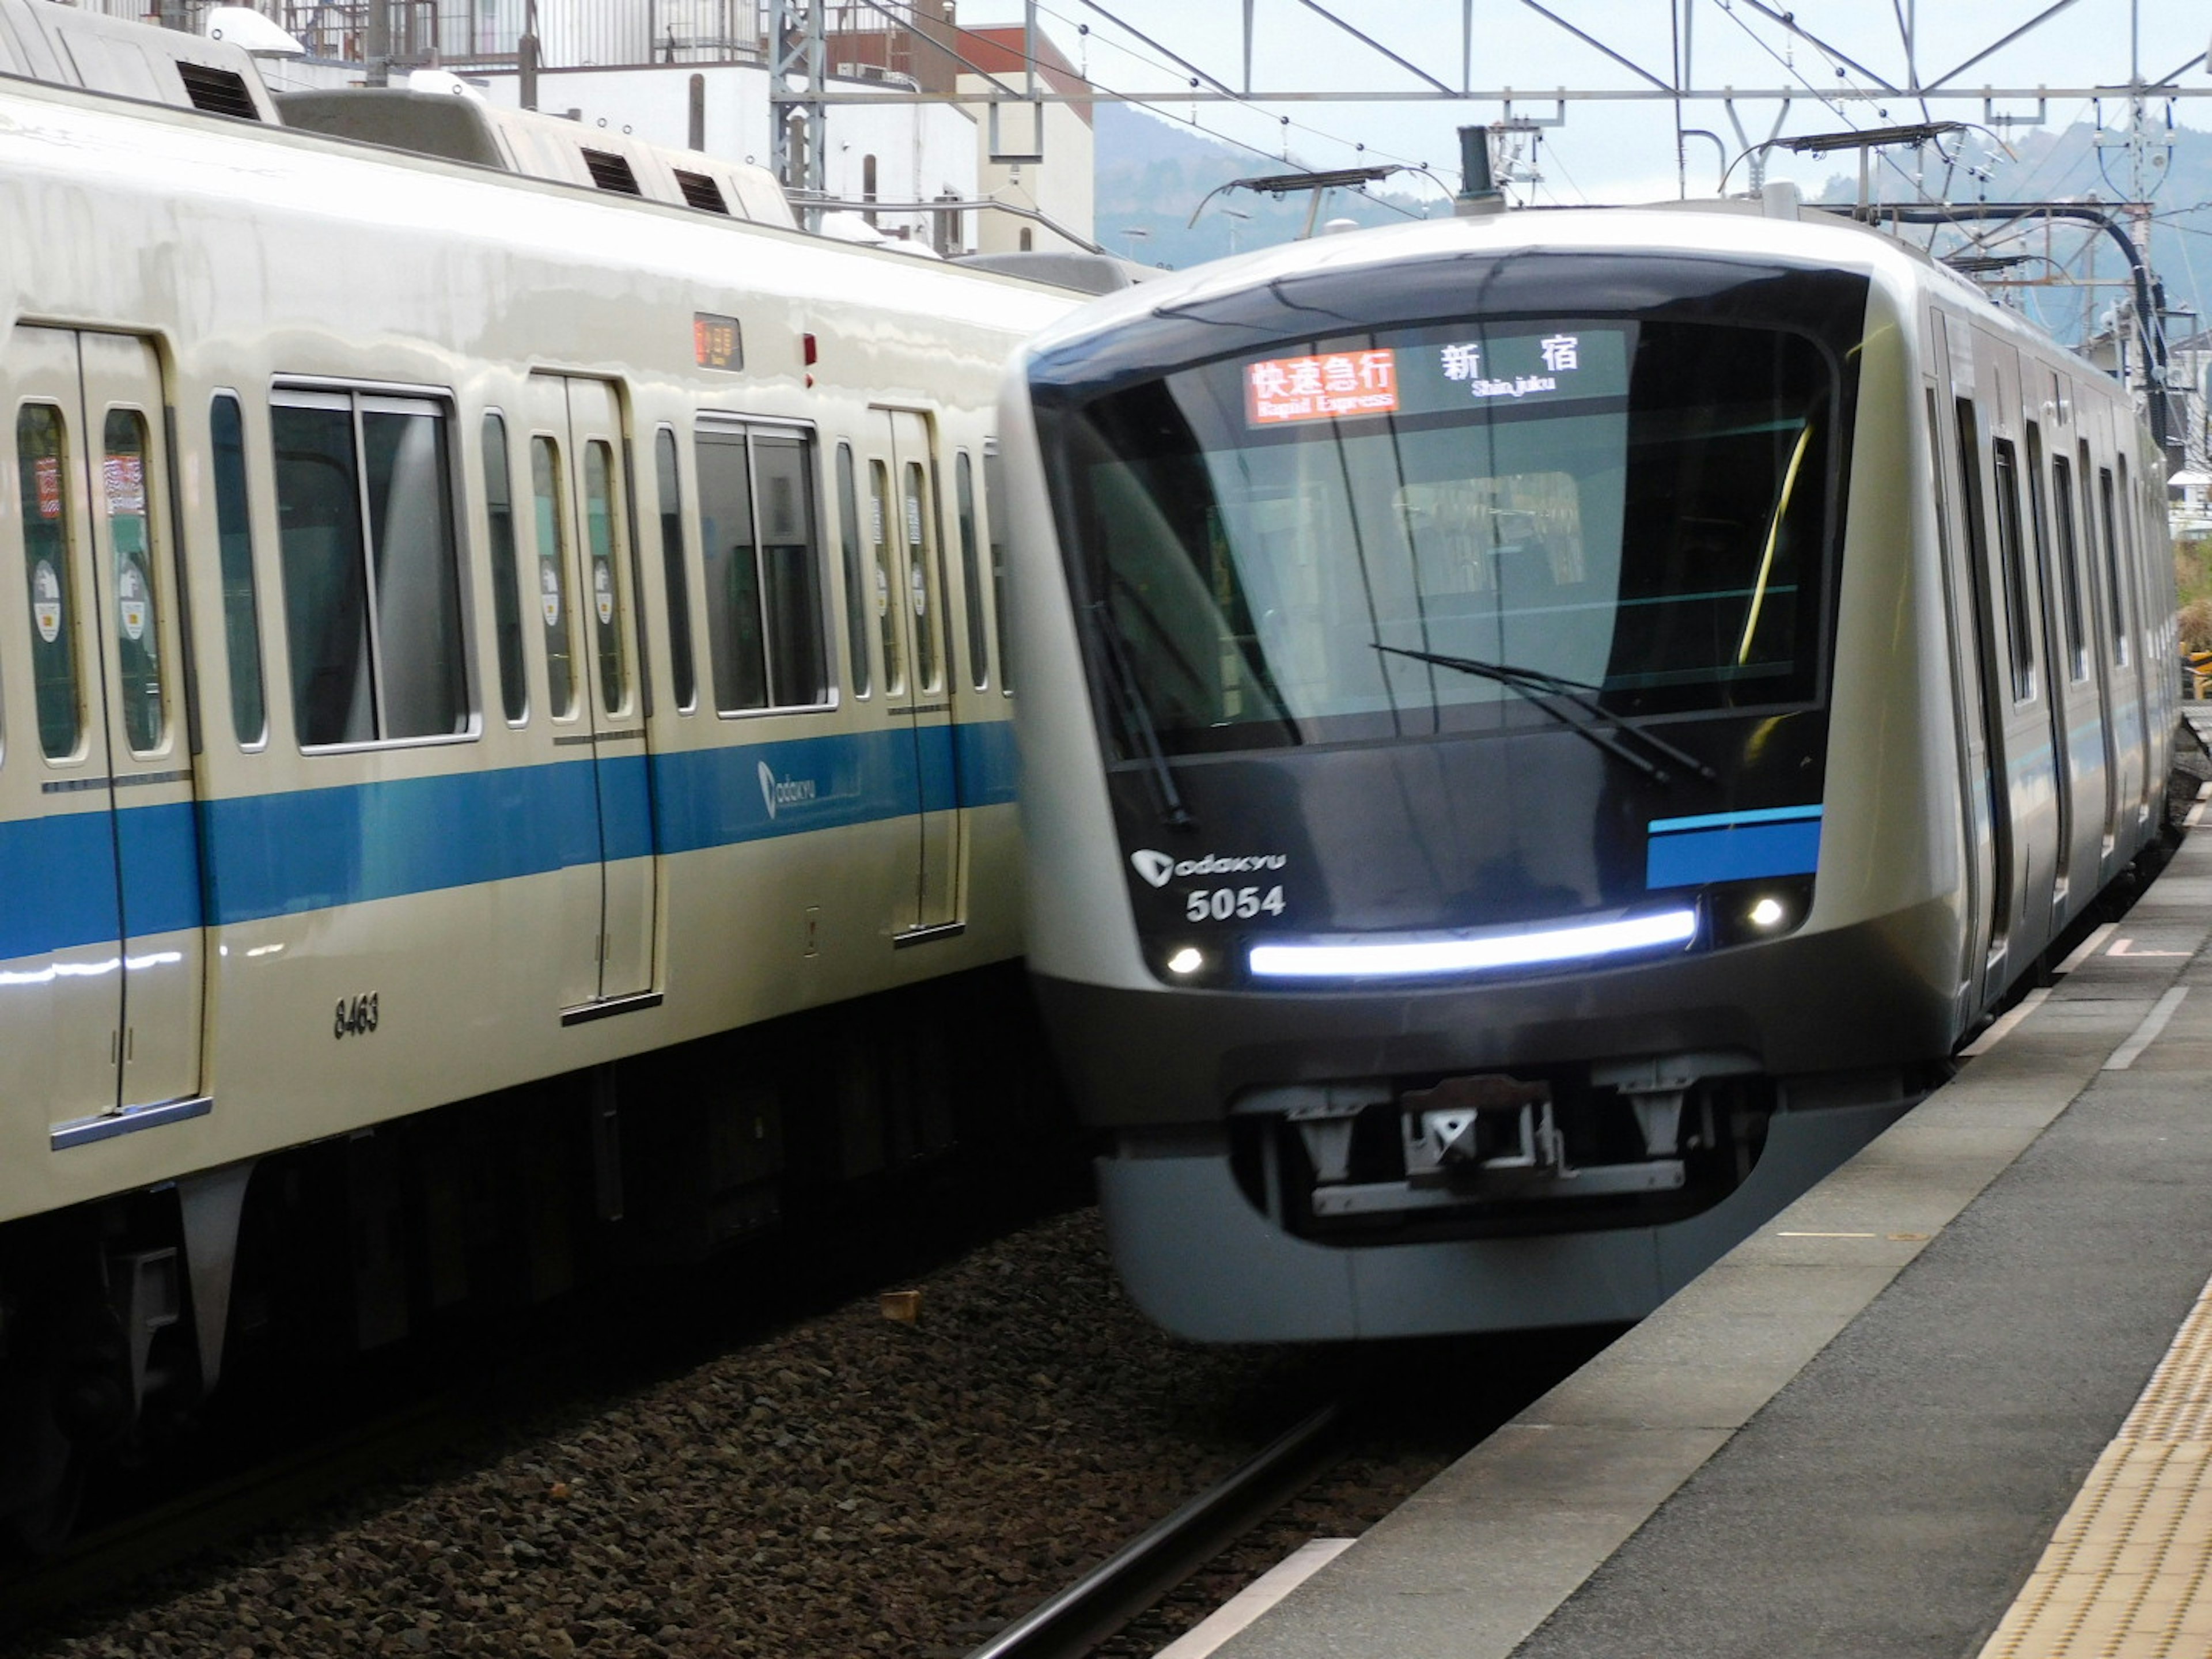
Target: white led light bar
{"points": [[1460, 953]]}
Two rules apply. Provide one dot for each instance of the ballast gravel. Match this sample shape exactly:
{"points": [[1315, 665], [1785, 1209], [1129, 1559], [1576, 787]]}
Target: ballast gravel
{"points": [[855, 1485]]}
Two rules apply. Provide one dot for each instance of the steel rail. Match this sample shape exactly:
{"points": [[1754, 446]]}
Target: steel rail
{"points": [[1134, 1577], [110, 1559]]}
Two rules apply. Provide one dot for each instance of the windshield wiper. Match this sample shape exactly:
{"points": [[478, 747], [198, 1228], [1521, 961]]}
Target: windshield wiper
{"points": [[1136, 719], [1584, 714]]}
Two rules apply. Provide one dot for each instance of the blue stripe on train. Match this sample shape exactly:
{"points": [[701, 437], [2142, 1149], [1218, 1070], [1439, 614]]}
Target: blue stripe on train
{"points": [[1734, 852], [61, 883], [280, 855]]}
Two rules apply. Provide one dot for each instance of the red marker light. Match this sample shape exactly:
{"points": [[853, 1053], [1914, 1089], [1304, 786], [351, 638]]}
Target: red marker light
{"points": [[806, 349]]}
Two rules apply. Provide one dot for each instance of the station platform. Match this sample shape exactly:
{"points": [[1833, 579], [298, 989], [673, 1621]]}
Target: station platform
{"points": [[1956, 1401]]}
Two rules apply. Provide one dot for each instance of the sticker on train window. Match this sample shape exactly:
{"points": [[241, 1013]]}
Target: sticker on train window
{"points": [[716, 341], [1332, 386], [126, 478], [47, 604], [131, 601], [47, 469]]}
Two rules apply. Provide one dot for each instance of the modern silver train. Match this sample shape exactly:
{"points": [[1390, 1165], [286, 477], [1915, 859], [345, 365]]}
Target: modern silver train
{"points": [[1543, 734], [459, 632]]}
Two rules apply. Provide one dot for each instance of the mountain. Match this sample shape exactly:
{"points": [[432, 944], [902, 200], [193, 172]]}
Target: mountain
{"points": [[1151, 174], [2069, 165]]}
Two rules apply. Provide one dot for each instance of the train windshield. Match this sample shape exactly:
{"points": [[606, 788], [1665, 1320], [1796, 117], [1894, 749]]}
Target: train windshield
{"points": [[1443, 528]]}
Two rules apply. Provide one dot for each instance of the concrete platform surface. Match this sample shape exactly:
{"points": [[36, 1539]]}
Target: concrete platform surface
{"points": [[1858, 1435]]}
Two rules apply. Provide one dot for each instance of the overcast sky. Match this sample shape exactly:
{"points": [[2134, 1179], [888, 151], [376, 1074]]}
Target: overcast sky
{"points": [[1624, 151]]}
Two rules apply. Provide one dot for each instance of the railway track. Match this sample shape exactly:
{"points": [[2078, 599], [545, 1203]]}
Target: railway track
{"points": [[112, 1559], [1113, 1593]]}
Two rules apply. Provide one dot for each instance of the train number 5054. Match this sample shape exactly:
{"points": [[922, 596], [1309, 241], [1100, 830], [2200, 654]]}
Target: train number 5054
{"points": [[1222, 902]]}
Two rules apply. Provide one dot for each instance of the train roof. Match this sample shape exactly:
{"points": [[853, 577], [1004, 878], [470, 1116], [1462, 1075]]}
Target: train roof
{"points": [[41, 41], [176, 163], [1817, 240], [462, 127]]}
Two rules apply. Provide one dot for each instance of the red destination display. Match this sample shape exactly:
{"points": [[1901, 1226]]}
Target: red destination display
{"points": [[1340, 383]]}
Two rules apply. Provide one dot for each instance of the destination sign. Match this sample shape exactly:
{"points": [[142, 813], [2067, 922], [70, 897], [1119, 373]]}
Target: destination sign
{"points": [[715, 341], [1327, 386], [1436, 371]]}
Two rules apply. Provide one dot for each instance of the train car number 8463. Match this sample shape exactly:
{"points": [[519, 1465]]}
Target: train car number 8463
{"points": [[355, 1016]]}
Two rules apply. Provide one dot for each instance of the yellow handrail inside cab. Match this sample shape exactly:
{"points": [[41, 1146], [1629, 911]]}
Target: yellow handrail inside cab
{"points": [[1773, 535]]}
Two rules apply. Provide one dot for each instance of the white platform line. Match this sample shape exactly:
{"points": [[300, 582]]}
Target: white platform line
{"points": [[2088, 947], [1998, 1032], [2153, 1023], [2197, 813], [1254, 1599]]}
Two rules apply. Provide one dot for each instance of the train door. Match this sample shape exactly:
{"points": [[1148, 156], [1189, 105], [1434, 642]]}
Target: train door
{"points": [[120, 827], [2132, 510], [2073, 656], [1962, 540], [586, 591], [910, 599], [2057, 691], [2096, 605], [2118, 647], [2029, 763]]}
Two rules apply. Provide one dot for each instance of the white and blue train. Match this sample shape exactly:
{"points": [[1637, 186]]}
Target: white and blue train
{"points": [[1541, 734], [459, 632]]}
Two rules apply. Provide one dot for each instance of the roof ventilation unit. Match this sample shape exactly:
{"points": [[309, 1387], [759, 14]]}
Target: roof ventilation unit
{"points": [[701, 191], [218, 91], [611, 171]]}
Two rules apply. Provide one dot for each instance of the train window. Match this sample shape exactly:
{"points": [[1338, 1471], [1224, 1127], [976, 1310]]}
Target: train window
{"points": [[856, 599], [371, 595], [919, 525], [553, 576], [2130, 556], [887, 583], [422, 687], [2013, 565], [994, 526], [242, 615], [1657, 521], [797, 662], [599, 547], [2070, 573], [669, 488], [2039, 518], [964, 497], [736, 636], [42, 471], [144, 706], [2116, 618], [506, 578]]}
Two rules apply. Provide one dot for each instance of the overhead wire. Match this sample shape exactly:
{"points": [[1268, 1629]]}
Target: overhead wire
{"points": [[1238, 99], [1821, 93], [1974, 236]]}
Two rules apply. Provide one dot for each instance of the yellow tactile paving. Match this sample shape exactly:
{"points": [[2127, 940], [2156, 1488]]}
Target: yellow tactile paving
{"points": [[2128, 1574]]}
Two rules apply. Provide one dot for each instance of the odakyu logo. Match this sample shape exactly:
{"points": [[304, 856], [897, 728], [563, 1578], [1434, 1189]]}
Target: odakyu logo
{"points": [[783, 792], [1159, 869]]}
